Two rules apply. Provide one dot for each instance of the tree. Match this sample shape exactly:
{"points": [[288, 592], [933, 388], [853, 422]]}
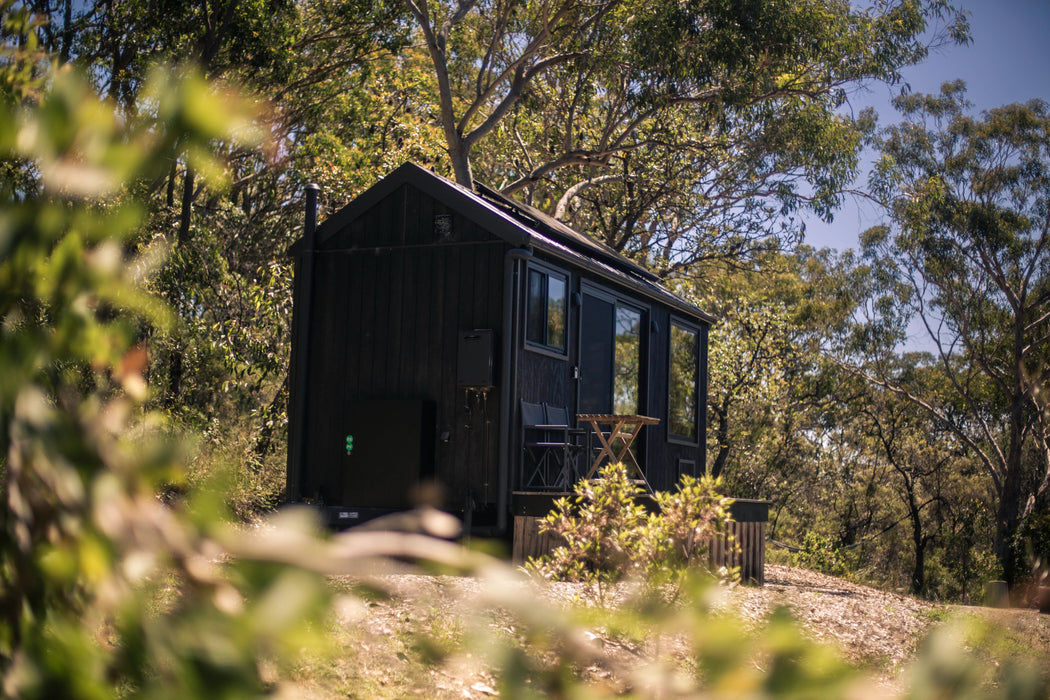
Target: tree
{"points": [[766, 370], [967, 257], [918, 451], [673, 155], [87, 549], [228, 276]]}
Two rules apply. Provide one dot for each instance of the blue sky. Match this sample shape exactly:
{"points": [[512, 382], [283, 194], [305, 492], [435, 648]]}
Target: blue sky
{"points": [[1007, 61]]}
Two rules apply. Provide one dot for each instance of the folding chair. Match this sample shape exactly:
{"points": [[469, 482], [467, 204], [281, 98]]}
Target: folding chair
{"points": [[549, 449]]}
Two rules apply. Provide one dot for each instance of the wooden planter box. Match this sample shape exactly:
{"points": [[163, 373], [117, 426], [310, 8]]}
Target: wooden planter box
{"points": [[743, 545]]}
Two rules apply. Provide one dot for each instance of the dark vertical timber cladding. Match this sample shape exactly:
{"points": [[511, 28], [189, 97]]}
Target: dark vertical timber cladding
{"points": [[393, 340], [492, 308], [446, 372], [475, 285], [419, 217], [390, 308], [494, 311], [410, 315], [473, 418], [403, 352], [325, 376], [386, 289], [412, 299], [367, 377], [355, 290], [424, 326], [475, 301], [702, 455], [432, 360], [660, 464], [546, 379]]}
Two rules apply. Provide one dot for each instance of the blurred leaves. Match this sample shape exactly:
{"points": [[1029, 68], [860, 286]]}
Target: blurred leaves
{"points": [[103, 587]]}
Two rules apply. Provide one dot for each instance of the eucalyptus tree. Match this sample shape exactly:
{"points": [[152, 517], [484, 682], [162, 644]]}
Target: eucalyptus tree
{"points": [[919, 451], [966, 259], [684, 128]]}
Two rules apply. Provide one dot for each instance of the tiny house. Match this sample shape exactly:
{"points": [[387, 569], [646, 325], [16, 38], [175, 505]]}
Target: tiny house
{"points": [[430, 324]]}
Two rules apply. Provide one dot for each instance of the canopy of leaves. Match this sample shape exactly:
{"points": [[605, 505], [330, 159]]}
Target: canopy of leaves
{"points": [[677, 131]]}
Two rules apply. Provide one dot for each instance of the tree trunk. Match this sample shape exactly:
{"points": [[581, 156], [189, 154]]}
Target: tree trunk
{"points": [[174, 377], [187, 208], [175, 364], [66, 49], [1006, 524], [460, 158], [918, 571], [722, 414]]}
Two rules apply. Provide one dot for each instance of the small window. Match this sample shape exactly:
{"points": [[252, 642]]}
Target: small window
{"points": [[547, 304], [684, 371]]}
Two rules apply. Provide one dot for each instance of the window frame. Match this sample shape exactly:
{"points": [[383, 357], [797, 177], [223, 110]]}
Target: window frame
{"points": [[545, 347], [684, 325]]}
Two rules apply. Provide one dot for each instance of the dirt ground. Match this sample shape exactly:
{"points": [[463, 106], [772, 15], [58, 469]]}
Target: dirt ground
{"points": [[873, 629]]}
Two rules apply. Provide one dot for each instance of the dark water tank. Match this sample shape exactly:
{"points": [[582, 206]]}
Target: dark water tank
{"points": [[476, 360]]}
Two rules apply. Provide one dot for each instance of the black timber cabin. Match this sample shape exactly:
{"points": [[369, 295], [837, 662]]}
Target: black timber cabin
{"points": [[429, 320]]}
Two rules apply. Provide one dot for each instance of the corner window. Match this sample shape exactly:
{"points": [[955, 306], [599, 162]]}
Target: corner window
{"points": [[684, 372], [547, 305]]}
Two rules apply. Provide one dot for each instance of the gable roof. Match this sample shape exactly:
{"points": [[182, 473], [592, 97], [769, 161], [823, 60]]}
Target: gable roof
{"points": [[518, 224]]}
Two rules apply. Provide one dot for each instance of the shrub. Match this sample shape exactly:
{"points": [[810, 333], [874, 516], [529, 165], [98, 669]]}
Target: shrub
{"points": [[677, 537], [608, 535], [601, 526], [820, 553]]}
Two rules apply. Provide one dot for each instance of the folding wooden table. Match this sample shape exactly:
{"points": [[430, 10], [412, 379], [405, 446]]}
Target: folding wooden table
{"points": [[617, 440]]}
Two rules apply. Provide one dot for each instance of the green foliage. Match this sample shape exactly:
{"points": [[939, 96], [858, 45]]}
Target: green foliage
{"points": [[969, 199], [601, 525], [677, 537], [994, 665], [107, 591], [608, 535], [820, 553], [103, 589], [671, 156]]}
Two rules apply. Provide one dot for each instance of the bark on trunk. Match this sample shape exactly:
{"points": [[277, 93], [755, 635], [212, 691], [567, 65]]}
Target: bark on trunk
{"points": [[722, 414]]}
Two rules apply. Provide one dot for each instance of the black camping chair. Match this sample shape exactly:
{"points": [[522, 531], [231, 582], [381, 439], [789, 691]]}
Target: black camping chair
{"points": [[550, 448]]}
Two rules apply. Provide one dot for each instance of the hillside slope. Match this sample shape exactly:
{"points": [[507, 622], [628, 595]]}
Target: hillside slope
{"points": [[377, 643], [873, 626]]}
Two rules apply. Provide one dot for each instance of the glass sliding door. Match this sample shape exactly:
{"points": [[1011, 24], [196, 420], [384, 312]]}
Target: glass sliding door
{"points": [[611, 355], [596, 354], [612, 358]]}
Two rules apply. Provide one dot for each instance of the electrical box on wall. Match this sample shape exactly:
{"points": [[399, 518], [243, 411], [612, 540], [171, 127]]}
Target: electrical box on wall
{"points": [[476, 360]]}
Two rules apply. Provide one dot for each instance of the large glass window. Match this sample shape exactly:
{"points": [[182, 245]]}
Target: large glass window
{"points": [[546, 313], [684, 371]]}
